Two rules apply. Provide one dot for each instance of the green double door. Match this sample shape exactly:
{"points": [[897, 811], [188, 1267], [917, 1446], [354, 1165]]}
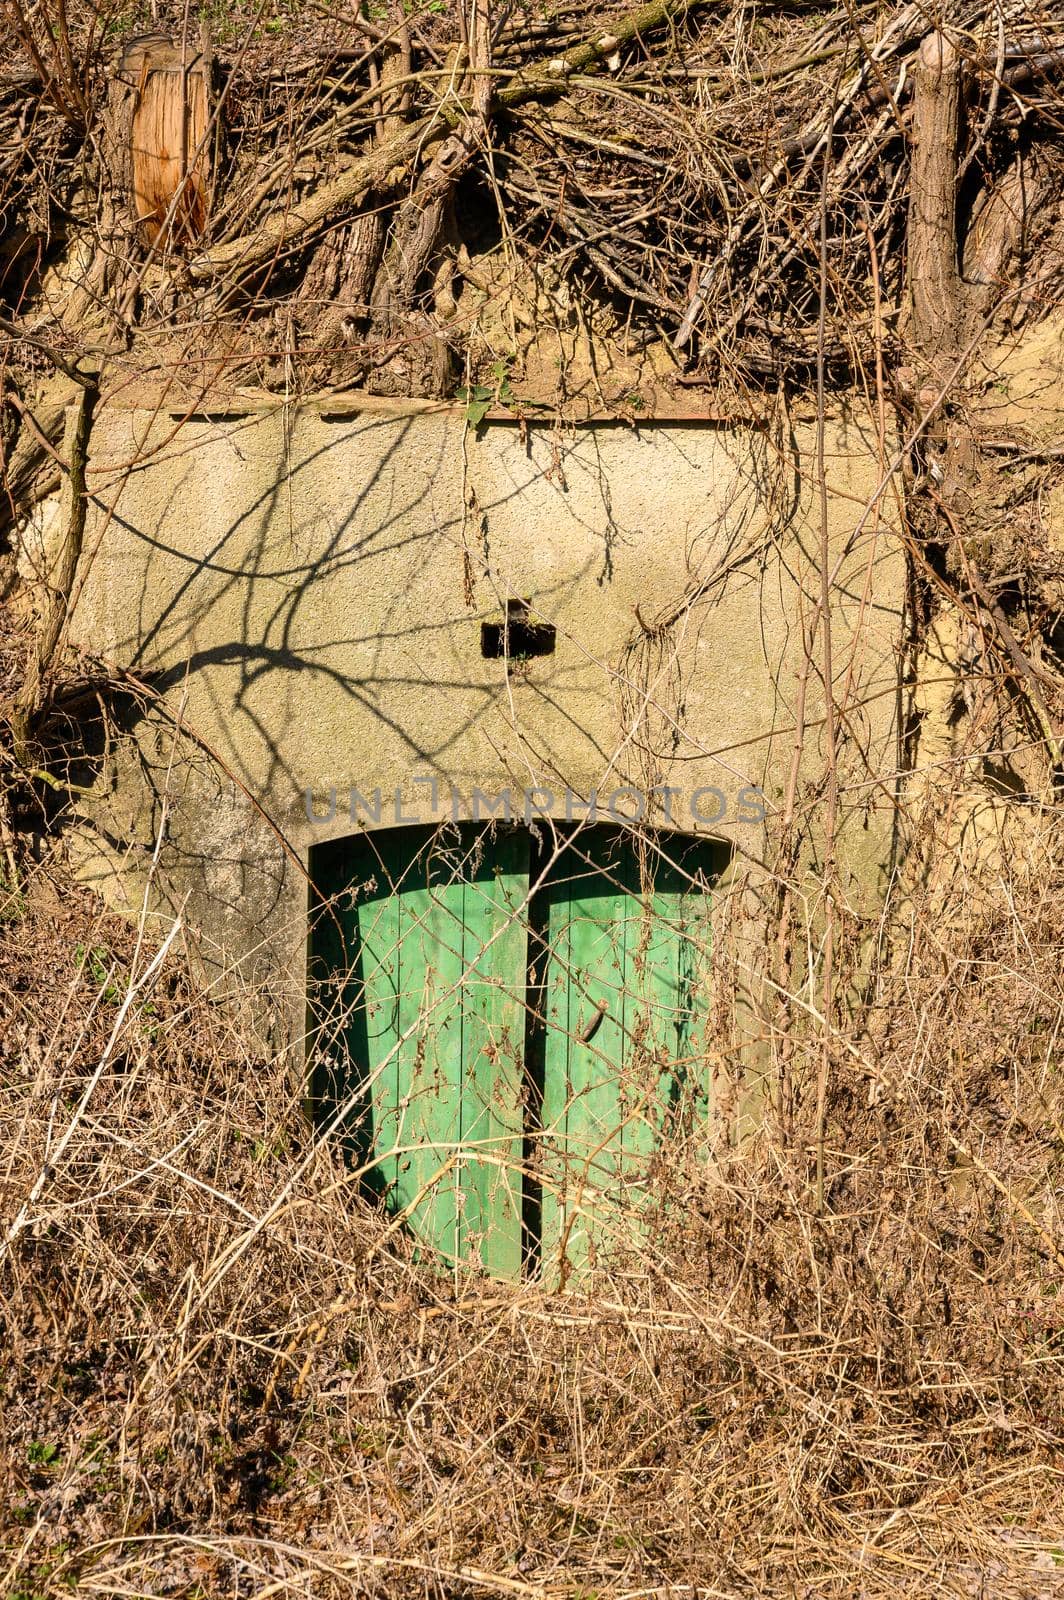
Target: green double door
{"points": [[509, 1026]]}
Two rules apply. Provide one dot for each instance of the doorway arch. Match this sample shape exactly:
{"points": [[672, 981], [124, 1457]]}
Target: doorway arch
{"points": [[509, 1022]]}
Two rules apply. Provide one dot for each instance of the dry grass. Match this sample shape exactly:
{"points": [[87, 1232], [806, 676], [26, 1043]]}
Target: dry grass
{"points": [[221, 1379]]}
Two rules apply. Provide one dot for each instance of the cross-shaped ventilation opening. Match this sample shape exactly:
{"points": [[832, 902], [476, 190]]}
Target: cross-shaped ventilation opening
{"points": [[519, 638]]}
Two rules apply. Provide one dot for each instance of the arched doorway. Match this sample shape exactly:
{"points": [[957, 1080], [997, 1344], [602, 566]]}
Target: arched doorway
{"points": [[509, 1021]]}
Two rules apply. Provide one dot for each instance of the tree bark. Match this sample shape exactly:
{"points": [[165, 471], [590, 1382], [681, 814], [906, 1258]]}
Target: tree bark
{"points": [[32, 696], [998, 233], [383, 168], [934, 278], [408, 312], [32, 469]]}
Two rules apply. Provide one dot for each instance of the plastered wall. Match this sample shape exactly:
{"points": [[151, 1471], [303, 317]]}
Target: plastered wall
{"points": [[303, 598]]}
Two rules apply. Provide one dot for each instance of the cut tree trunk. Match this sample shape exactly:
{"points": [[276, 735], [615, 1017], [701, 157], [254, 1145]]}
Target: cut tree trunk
{"points": [[411, 301], [166, 110], [934, 278]]}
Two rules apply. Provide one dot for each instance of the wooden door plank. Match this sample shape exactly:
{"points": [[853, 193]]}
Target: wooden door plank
{"points": [[587, 1000], [701, 863], [557, 1089], [655, 1004], [668, 981], [428, 1093], [622, 941], [493, 1038], [374, 1033]]}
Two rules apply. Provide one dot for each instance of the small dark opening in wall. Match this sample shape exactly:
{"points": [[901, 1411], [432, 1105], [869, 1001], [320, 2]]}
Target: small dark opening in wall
{"points": [[518, 638]]}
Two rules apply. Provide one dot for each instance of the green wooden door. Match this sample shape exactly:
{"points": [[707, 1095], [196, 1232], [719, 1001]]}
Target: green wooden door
{"points": [[455, 1039], [431, 947], [624, 1056]]}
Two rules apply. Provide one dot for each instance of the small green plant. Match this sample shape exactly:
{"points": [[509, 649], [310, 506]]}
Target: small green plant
{"points": [[12, 903], [42, 1452], [125, 21], [477, 403], [282, 1471], [481, 397], [101, 967], [478, 398], [270, 1150], [369, 1442]]}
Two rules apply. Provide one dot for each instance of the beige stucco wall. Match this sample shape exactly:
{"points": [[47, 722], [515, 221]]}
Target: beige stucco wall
{"points": [[307, 594]]}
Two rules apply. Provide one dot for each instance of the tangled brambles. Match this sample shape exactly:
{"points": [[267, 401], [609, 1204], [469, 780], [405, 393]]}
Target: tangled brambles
{"points": [[221, 1378]]}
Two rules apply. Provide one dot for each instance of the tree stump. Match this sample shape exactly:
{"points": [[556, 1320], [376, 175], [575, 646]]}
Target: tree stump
{"points": [[160, 136]]}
